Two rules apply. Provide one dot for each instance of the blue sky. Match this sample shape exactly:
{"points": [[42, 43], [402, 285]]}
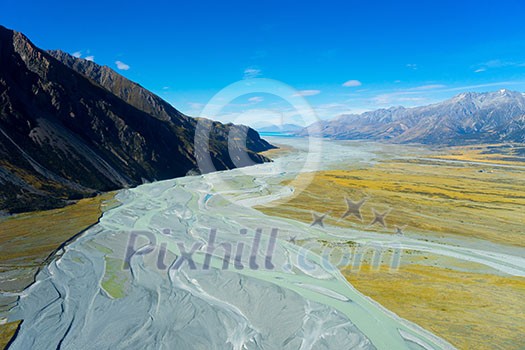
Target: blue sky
{"points": [[387, 52]]}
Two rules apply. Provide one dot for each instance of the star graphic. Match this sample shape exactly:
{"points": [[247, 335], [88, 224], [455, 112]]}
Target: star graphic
{"points": [[354, 208], [379, 218], [318, 219], [399, 230], [292, 239]]}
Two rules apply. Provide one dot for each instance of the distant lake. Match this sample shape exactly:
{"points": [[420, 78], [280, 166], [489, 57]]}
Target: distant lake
{"points": [[276, 134]]}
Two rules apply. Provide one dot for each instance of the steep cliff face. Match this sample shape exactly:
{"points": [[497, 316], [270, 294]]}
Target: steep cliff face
{"points": [[129, 91], [67, 132]]}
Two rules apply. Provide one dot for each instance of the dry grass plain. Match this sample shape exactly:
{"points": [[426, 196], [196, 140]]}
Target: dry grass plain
{"points": [[28, 239], [466, 305], [6, 333], [469, 310], [428, 197], [511, 154]]}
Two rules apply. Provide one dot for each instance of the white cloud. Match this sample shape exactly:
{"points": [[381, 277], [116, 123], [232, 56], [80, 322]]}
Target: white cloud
{"points": [[412, 66], [413, 99], [427, 87], [253, 117], [331, 110], [352, 83], [307, 93], [407, 95], [77, 54], [196, 105], [250, 73], [121, 65], [256, 99], [494, 64], [260, 117], [498, 64], [90, 58], [407, 98]]}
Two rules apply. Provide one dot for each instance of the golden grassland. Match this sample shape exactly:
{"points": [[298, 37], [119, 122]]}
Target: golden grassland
{"points": [[28, 239], [427, 197], [7, 331], [281, 150], [470, 310], [510, 154], [465, 303]]}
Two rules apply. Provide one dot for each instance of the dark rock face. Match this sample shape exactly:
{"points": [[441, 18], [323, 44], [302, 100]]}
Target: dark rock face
{"points": [[131, 92], [465, 119], [70, 128]]}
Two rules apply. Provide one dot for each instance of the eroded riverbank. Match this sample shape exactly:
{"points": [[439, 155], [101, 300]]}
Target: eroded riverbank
{"points": [[29, 239]]}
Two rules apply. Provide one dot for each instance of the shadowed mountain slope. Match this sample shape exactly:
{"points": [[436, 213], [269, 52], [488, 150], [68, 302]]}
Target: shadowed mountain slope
{"points": [[70, 128]]}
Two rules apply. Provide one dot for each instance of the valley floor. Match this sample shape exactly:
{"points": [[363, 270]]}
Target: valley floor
{"points": [[474, 201], [458, 225]]}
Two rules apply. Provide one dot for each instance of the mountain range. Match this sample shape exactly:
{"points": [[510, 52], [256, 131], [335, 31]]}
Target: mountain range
{"points": [[70, 128], [467, 118]]}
